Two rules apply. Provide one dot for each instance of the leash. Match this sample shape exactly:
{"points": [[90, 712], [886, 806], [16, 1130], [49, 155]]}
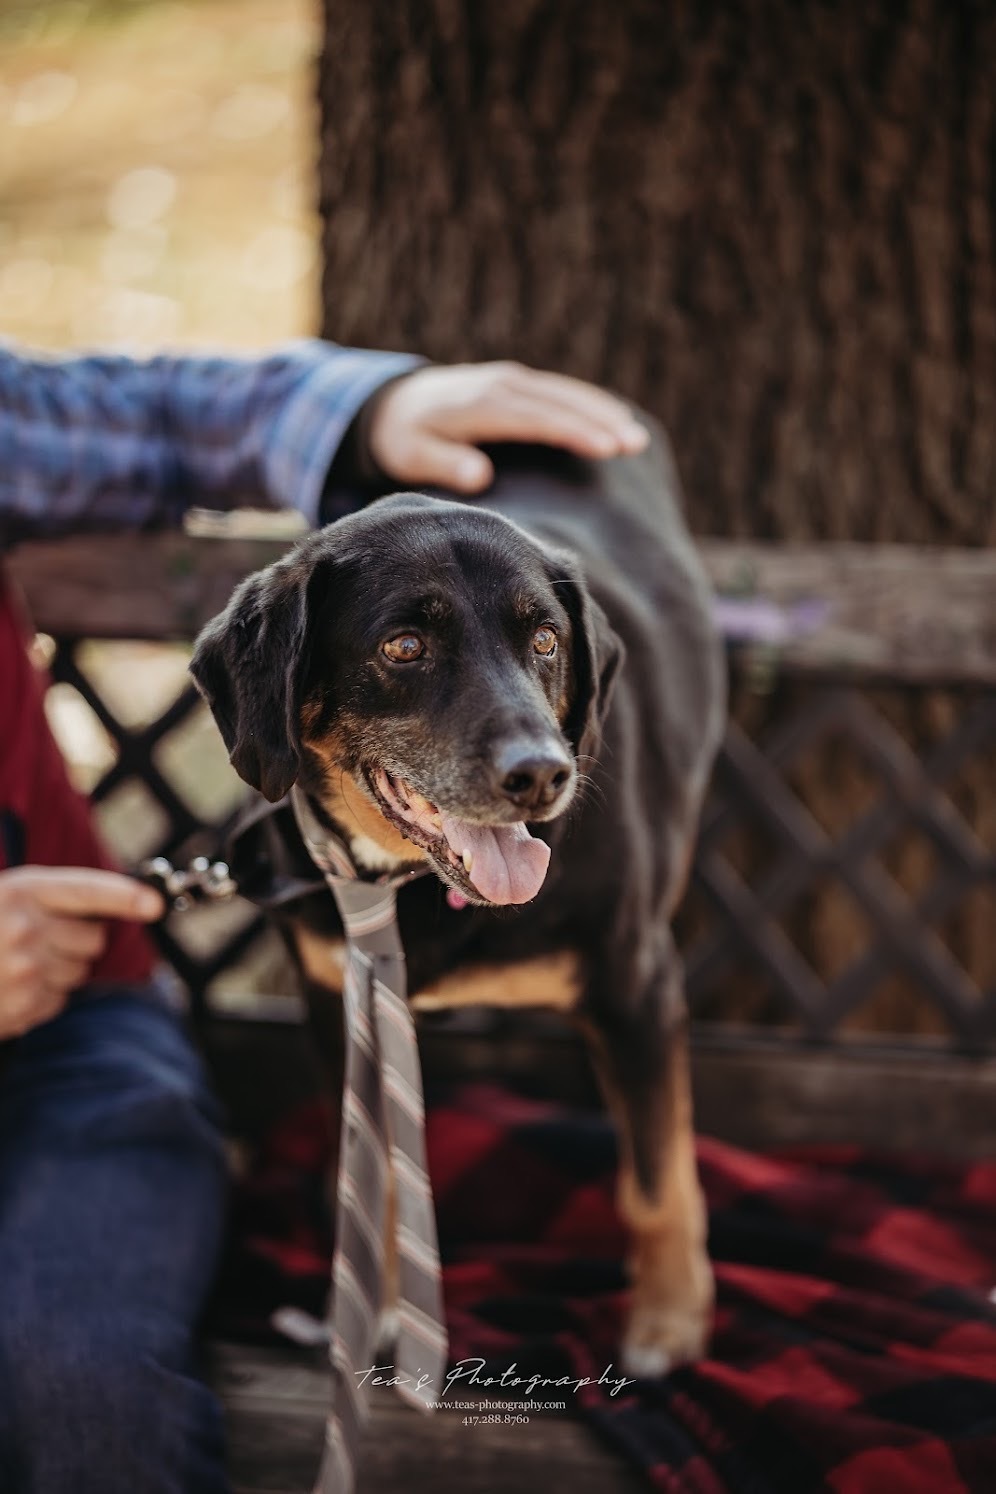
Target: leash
{"points": [[382, 1186], [203, 881]]}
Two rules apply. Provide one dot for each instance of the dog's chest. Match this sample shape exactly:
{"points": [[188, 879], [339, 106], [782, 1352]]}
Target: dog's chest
{"points": [[551, 980]]}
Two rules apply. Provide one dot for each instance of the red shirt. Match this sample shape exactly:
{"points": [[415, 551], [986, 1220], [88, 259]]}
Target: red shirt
{"points": [[44, 821]]}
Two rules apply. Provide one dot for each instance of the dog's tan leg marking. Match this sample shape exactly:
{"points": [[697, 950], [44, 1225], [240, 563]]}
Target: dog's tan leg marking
{"points": [[550, 981], [671, 1310], [679, 886]]}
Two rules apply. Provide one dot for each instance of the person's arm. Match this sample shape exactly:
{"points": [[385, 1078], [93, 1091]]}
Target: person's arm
{"points": [[104, 442], [100, 442]]}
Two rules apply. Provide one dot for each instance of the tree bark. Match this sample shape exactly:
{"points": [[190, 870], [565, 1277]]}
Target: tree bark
{"points": [[772, 223]]}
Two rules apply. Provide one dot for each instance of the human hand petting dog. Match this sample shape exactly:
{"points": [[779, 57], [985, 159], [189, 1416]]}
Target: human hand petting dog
{"points": [[51, 933], [425, 428]]}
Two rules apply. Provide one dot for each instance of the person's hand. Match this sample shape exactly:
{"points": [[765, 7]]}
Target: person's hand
{"points": [[49, 937], [425, 428]]}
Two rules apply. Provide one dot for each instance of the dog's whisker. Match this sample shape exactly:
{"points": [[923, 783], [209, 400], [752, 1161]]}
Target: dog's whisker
{"points": [[586, 789]]}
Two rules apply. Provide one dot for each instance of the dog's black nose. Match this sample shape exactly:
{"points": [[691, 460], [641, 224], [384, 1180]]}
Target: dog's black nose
{"points": [[532, 774]]}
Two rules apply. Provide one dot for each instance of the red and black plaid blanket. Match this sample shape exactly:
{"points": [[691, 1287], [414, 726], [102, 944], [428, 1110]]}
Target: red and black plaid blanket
{"points": [[855, 1337]]}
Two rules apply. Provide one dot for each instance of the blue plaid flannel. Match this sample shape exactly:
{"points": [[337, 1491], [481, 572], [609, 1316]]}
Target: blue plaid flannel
{"points": [[107, 442]]}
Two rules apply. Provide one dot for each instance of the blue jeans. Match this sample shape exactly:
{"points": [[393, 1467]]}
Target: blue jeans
{"points": [[112, 1201]]}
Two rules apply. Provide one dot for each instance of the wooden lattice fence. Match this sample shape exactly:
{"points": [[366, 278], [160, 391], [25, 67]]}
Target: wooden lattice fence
{"points": [[844, 643]]}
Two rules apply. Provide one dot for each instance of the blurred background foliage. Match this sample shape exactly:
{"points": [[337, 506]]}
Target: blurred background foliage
{"points": [[157, 162], [156, 172]]}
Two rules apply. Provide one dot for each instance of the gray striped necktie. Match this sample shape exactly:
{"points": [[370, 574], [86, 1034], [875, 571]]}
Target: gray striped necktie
{"points": [[381, 1151]]}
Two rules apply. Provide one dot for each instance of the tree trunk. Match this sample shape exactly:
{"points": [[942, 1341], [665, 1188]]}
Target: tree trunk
{"points": [[771, 222]]}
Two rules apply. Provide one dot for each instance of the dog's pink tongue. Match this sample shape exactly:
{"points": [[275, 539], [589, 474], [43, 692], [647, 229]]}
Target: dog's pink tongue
{"points": [[508, 866]]}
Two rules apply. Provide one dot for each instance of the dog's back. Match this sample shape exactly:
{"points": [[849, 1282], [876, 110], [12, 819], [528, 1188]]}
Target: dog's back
{"points": [[622, 521]]}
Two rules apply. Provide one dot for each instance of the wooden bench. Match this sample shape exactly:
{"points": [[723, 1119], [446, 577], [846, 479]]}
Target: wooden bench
{"points": [[894, 620]]}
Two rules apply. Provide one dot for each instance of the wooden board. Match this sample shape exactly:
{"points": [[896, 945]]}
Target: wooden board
{"points": [[276, 1402], [870, 613], [882, 613], [749, 1091]]}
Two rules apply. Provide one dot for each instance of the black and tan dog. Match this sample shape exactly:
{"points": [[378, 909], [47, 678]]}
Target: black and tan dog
{"points": [[526, 692]]}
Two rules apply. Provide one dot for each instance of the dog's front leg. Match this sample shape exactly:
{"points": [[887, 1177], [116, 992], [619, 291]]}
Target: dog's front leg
{"points": [[641, 1058]]}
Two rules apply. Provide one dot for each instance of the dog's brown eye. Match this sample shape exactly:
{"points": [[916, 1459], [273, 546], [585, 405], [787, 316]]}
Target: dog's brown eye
{"points": [[404, 648], [545, 642]]}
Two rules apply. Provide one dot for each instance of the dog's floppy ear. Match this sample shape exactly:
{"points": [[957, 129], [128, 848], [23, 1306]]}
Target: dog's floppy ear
{"points": [[247, 664], [597, 654]]}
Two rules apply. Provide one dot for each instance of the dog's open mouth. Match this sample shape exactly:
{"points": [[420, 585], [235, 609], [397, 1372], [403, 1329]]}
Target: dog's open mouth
{"points": [[492, 863]]}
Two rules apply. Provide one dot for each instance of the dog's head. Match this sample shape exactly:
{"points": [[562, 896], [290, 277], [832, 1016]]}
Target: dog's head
{"points": [[430, 674]]}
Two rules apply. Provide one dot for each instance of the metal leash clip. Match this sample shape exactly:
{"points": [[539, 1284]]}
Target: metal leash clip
{"points": [[203, 881]]}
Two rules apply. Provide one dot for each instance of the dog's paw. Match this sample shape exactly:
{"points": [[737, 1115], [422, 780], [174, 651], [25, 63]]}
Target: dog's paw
{"points": [[301, 1327], [670, 1318], [658, 1338]]}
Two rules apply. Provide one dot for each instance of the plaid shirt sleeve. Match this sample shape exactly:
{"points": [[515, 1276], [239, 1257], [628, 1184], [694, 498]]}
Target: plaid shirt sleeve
{"points": [[107, 442]]}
